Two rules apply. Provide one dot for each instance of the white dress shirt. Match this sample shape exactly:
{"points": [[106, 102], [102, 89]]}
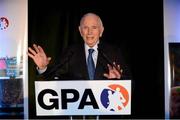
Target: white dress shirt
{"points": [[94, 54]]}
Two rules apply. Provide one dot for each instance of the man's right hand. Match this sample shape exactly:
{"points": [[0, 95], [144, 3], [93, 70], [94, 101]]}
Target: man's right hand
{"points": [[39, 57]]}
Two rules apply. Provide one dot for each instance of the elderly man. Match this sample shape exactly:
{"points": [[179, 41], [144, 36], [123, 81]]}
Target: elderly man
{"points": [[91, 59]]}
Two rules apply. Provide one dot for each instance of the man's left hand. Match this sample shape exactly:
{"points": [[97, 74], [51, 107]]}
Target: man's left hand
{"points": [[114, 72]]}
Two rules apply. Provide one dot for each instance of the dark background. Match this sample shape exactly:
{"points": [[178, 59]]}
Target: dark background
{"points": [[134, 26]]}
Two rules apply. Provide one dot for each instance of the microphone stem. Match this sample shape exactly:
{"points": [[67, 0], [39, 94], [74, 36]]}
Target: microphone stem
{"points": [[110, 62]]}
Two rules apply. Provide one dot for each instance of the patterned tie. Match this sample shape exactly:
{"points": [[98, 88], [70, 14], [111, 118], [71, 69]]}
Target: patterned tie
{"points": [[90, 64]]}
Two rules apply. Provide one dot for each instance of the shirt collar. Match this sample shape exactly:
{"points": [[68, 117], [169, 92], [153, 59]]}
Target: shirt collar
{"points": [[94, 47]]}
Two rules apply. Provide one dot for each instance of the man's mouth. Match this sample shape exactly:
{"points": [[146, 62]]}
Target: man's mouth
{"points": [[90, 37]]}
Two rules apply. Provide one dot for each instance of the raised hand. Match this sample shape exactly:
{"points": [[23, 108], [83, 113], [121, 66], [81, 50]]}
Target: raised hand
{"points": [[39, 56], [114, 73]]}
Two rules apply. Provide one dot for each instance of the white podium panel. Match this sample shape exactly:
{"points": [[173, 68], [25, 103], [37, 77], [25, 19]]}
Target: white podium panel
{"points": [[89, 97]]}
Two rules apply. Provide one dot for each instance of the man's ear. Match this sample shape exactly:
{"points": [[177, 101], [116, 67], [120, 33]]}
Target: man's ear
{"points": [[102, 30], [80, 30]]}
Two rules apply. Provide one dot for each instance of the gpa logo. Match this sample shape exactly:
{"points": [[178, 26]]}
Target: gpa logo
{"points": [[4, 23], [115, 97]]}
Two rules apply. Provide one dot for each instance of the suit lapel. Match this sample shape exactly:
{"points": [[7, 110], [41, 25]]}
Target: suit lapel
{"points": [[100, 68], [82, 62]]}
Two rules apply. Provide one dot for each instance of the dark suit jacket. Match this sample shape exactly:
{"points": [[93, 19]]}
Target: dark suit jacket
{"points": [[73, 64]]}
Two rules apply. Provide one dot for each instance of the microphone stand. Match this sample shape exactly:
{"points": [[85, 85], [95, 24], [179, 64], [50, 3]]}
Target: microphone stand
{"points": [[66, 59], [97, 117], [108, 60]]}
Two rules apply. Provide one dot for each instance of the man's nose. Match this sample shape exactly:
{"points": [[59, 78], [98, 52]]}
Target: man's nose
{"points": [[89, 31]]}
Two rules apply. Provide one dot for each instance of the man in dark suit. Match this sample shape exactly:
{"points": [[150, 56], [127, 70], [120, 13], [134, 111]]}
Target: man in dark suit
{"points": [[91, 59], [74, 63]]}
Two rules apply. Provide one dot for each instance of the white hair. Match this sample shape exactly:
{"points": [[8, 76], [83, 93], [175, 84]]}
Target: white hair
{"points": [[91, 14]]}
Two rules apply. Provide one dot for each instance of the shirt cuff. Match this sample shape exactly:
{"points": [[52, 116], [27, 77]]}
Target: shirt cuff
{"points": [[41, 71]]}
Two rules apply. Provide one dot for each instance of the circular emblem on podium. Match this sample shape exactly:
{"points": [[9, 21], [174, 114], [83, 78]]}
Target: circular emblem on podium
{"points": [[115, 97]]}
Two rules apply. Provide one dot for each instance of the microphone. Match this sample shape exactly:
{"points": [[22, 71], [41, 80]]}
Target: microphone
{"points": [[109, 61], [64, 61]]}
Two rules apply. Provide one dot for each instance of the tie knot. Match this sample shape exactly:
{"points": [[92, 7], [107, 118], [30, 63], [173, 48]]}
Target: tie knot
{"points": [[91, 51]]}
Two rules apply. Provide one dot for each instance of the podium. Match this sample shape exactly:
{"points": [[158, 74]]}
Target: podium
{"points": [[83, 97]]}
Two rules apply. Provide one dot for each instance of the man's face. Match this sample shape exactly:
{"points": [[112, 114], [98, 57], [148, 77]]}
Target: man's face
{"points": [[91, 30]]}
